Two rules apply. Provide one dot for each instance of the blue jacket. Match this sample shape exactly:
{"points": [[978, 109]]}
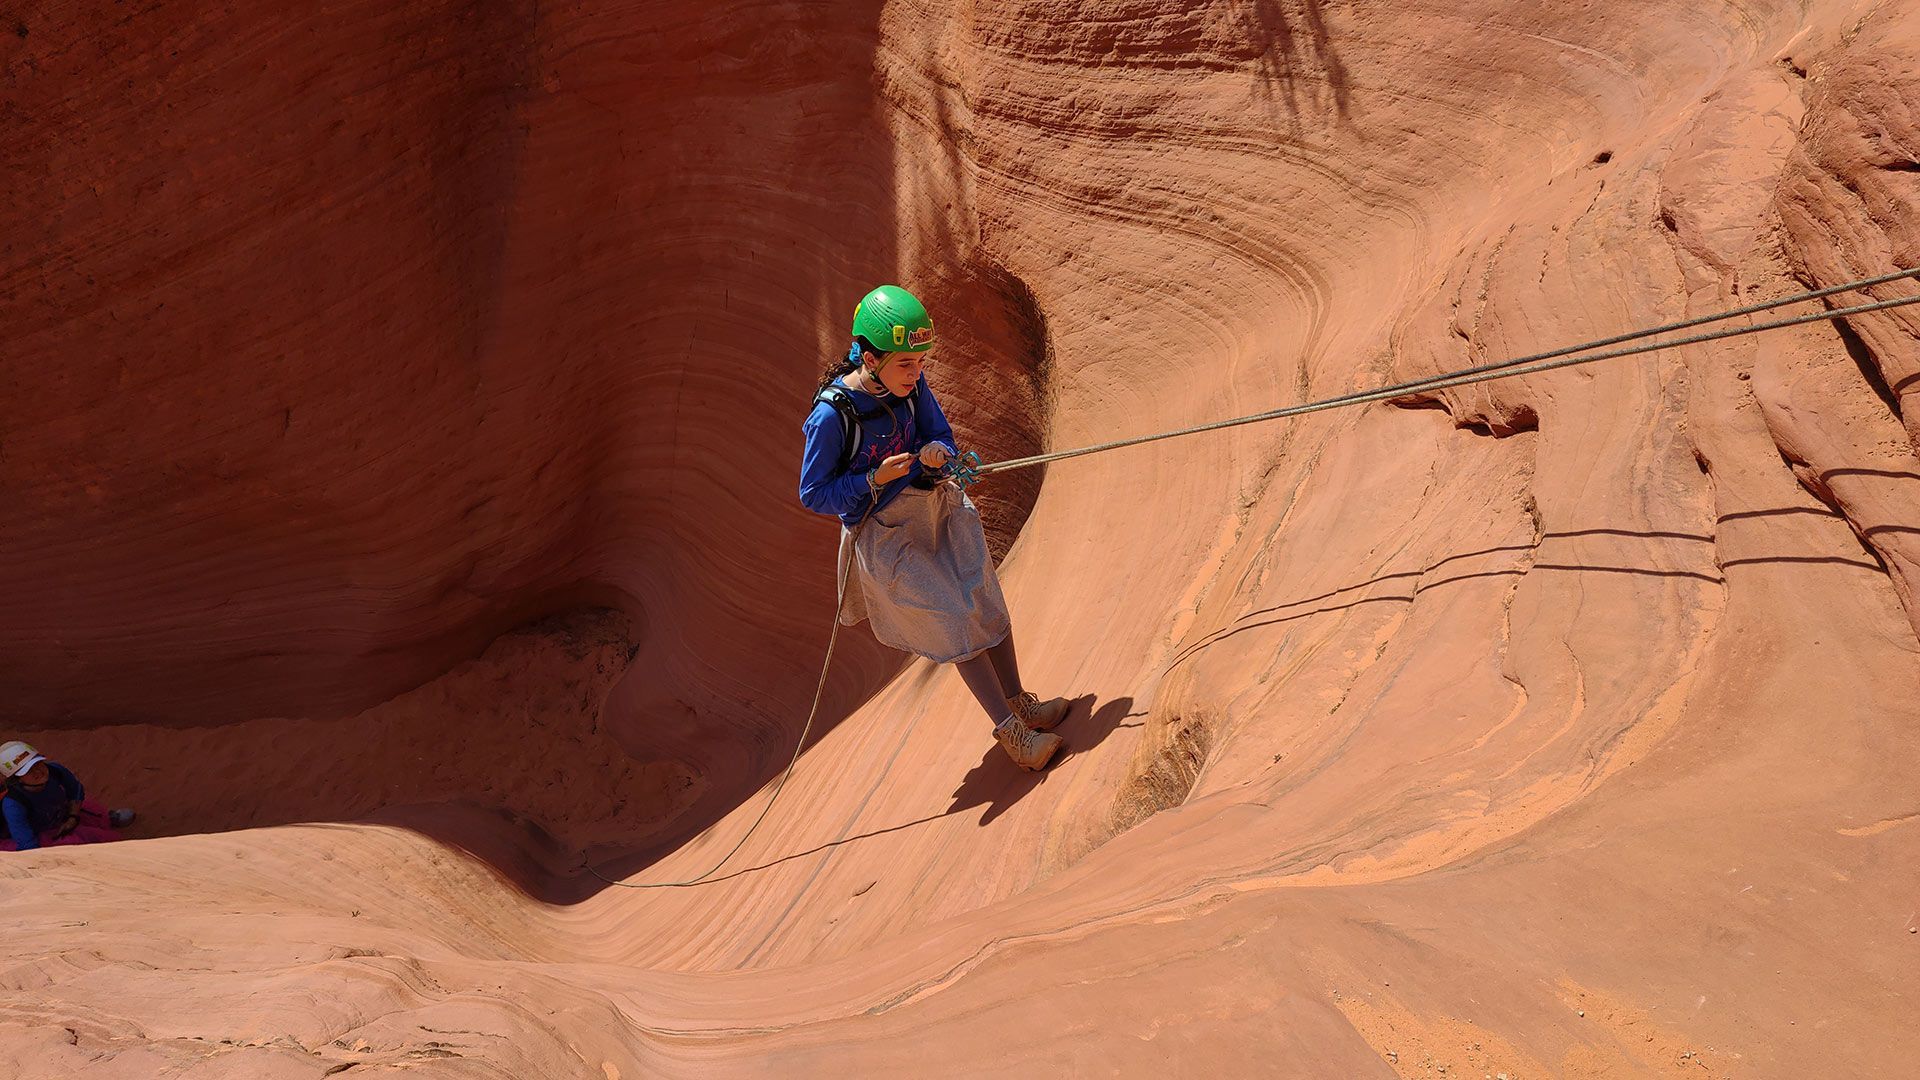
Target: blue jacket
{"points": [[30, 813], [825, 488]]}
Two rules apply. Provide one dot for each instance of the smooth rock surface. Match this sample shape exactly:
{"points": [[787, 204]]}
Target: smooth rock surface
{"points": [[402, 416]]}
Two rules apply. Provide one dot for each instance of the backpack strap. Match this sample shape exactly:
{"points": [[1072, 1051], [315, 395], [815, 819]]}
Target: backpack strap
{"points": [[851, 416]]}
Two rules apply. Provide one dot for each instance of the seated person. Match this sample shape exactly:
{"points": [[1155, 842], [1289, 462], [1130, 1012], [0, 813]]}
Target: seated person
{"points": [[45, 806]]}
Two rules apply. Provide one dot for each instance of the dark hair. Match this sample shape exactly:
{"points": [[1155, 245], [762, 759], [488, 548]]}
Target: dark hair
{"points": [[845, 364]]}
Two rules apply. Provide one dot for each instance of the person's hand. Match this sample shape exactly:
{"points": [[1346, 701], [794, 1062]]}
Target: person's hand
{"points": [[67, 826], [892, 469], [933, 455]]}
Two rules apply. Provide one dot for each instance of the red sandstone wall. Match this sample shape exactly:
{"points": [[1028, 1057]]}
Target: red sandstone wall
{"points": [[339, 341]]}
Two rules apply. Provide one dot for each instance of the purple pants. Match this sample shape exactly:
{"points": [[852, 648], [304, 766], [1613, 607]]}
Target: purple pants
{"points": [[92, 828]]}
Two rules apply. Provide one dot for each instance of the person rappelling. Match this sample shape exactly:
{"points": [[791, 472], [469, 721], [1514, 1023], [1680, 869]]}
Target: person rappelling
{"points": [[877, 443], [880, 456]]}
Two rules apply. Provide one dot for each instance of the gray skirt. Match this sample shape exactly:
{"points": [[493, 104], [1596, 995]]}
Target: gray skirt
{"points": [[923, 577]]}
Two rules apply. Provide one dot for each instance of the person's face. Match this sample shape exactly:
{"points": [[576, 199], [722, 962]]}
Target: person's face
{"points": [[35, 778], [900, 371]]}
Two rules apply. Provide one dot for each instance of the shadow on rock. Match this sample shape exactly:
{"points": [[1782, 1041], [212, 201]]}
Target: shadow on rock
{"points": [[997, 783]]}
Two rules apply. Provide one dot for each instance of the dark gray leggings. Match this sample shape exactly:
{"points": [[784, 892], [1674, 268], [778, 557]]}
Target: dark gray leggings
{"points": [[993, 676]]}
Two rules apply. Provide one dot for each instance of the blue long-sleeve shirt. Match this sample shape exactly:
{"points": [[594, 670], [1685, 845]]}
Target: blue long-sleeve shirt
{"points": [[29, 813], [826, 488]]}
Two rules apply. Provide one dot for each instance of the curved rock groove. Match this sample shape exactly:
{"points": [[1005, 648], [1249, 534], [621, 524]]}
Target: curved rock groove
{"points": [[402, 404]]}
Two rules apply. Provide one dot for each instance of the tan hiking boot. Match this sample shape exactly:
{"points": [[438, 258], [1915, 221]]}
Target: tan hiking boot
{"points": [[1036, 714], [1029, 749]]}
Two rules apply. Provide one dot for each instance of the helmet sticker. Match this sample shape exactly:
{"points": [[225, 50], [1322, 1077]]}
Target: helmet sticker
{"points": [[922, 336]]}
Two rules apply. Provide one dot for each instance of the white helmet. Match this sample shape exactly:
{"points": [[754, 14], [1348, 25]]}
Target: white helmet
{"points": [[17, 757]]}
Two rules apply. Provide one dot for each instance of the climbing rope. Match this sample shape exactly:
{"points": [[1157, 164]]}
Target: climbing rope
{"points": [[1506, 369], [1501, 369], [826, 665]]}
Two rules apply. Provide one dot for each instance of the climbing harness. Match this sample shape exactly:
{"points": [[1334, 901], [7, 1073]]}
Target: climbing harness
{"points": [[967, 469]]}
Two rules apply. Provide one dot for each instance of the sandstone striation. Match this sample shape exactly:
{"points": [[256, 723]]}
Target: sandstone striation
{"points": [[402, 415]]}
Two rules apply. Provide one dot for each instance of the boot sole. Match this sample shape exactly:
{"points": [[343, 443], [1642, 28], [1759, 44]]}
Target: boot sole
{"points": [[1051, 758]]}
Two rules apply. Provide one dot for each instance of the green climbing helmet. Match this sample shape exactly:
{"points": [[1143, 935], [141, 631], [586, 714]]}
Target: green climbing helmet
{"points": [[892, 320]]}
